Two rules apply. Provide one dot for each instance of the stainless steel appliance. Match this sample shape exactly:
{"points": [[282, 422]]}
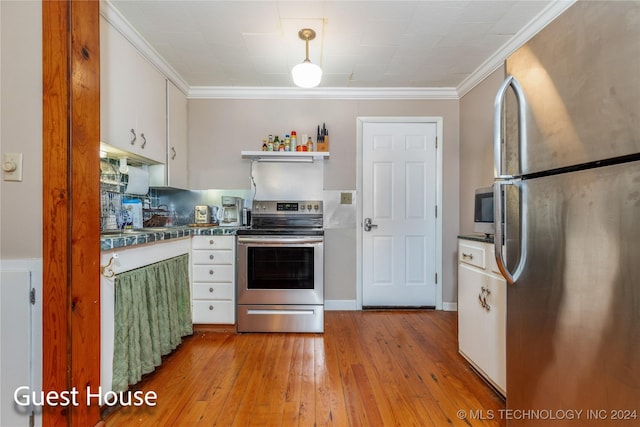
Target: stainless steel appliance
{"points": [[230, 212], [569, 164], [281, 268]]}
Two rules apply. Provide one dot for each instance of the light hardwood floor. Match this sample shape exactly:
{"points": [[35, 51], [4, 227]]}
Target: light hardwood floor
{"points": [[371, 368]]}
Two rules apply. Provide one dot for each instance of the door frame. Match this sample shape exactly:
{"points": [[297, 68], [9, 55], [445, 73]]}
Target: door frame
{"points": [[361, 121]]}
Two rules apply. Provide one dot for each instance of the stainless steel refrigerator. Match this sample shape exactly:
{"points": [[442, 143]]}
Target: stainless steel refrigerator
{"points": [[567, 199]]}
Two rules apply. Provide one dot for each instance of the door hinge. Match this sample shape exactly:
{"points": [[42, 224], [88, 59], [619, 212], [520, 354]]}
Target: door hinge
{"points": [[436, 211], [32, 296], [436, 142], [436, 278]]}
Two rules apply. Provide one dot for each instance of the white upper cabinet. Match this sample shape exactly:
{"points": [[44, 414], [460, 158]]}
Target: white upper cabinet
{"points": [[133, 100], [173, 171], [177, 137]]}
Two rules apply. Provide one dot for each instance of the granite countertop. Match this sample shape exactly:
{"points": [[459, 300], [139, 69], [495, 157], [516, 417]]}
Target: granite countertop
{"points": [[118, 239], [477, 238]]}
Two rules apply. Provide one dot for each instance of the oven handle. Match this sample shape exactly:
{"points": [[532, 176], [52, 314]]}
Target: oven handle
{"points": [[280, 240]]}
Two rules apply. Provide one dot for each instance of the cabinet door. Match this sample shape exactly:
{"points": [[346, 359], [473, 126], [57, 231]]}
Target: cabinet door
{"points": [[118, 91], [177, 137], [132, 98], [481, 329], [151, 111]]}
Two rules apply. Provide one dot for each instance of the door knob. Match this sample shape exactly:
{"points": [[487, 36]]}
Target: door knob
{"points": [[368, 225]]}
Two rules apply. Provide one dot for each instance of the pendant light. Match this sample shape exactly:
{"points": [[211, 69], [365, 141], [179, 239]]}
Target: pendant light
{"points": [[306, 74]]}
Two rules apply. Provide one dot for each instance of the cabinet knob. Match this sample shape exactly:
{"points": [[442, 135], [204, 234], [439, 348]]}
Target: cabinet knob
{"points": [[211, 290], [210, 308], [211, 242], [210, 271], [210, 256]]}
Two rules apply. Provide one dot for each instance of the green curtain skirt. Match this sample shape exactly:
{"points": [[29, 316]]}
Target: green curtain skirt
{"points": [[152, 314]]}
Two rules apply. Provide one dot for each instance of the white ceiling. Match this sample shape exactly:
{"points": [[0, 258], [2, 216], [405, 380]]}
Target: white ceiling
{"points": [[359, 44]]}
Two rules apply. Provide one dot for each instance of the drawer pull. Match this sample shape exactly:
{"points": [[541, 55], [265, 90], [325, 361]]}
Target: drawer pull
{"points": [[466, 255], [211, 290], [211, 272], [210, 308], [210, 256]]}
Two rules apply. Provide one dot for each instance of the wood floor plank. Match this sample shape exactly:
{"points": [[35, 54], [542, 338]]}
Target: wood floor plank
{"points": [[369, 368]]}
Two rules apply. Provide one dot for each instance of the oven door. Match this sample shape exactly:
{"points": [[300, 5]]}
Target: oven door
{"points": [[280, 270]]}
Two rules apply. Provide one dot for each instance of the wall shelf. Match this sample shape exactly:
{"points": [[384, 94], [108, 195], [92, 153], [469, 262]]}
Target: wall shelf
{"points": [[284, 156]]}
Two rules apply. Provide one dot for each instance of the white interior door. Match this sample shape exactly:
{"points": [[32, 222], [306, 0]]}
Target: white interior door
{"points": [[399, 198]]}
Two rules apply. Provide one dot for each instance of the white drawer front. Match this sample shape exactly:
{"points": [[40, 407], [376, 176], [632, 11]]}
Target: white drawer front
{"points": [[213, 273], [471, 254], [213, 312], [213, 291], [212, 257], [213, 242]]}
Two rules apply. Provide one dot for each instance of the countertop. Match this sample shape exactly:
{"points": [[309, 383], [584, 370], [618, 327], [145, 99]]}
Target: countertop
{"points": [[477, 238], [118, 239]]}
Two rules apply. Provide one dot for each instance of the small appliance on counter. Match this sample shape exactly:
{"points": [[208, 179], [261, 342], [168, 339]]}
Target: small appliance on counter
{"points": [[230, 213], [202, 214]]}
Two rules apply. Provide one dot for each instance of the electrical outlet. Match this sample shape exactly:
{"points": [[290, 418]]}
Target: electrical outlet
{"points": [[345, 198], [12, 166]]}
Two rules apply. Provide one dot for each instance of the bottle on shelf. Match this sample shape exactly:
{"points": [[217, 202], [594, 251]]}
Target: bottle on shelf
{"points": [[270, 143], [309, 144], [287, 143], [294, 140], [264, 144]]}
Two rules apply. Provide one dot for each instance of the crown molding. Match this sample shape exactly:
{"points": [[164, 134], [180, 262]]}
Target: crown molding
{"points": [[548, 14], [120, 23], [206, 92]]}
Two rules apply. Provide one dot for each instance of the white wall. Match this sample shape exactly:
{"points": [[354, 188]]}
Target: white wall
{"points": [[220, 129], [21, 131], [476, 144], [20, 202]]}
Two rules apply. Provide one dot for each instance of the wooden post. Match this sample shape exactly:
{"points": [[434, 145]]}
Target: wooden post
{"points": [[71, 194]]}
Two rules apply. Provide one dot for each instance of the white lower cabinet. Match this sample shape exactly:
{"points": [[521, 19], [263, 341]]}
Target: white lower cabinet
{"points": [[482, 311], [213, 279]]}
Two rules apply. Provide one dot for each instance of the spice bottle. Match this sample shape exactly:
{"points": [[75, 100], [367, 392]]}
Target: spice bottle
{"points": [[294, 140], [264, 144], [309, 144]]}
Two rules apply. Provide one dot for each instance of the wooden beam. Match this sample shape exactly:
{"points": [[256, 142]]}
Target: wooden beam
{"points": [[71, 251]]}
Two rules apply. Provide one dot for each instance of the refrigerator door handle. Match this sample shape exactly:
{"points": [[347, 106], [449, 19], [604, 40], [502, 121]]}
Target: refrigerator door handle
{"points": [[498, 164], [499, 233]]}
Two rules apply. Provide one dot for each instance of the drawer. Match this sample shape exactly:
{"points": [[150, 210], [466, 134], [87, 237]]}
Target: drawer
{"points": [[471, 254], [213, 312], [213, 242], [213, 291], [212, 257], [213, 273]]}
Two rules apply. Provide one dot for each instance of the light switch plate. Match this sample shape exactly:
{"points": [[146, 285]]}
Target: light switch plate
{"points": [[346, 199], [12, 166]]}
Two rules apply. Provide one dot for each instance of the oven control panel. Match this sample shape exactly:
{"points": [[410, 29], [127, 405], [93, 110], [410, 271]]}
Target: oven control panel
{"points": [[303, 207]]}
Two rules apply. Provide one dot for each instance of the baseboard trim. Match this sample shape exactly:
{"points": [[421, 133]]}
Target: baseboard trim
{"points": [[449, 306], [340, 305]]}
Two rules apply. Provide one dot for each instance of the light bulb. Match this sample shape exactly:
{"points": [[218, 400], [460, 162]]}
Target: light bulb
{"points": [[306, 74]]}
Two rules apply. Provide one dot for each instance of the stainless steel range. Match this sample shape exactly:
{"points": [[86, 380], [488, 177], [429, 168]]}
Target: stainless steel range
{"points": [[281, 268]]}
